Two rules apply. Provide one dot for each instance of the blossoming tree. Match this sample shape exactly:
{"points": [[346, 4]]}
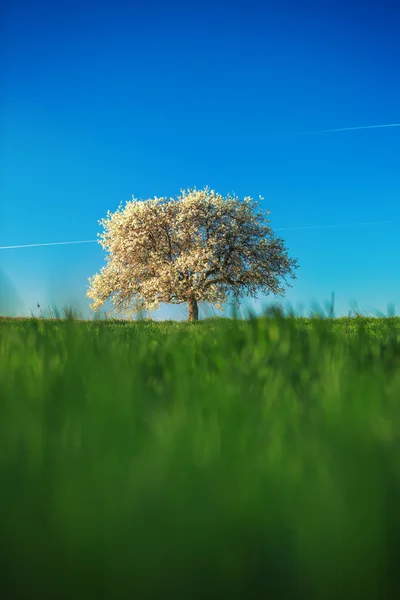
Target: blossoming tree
{"points": [[198, 248]]}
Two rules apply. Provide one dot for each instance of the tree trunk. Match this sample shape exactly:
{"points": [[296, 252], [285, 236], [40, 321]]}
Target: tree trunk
{"points": [[193, 309]]}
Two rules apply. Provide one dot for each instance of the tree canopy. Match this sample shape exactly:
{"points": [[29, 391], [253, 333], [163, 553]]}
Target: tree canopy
{"points": [[197, 248]]}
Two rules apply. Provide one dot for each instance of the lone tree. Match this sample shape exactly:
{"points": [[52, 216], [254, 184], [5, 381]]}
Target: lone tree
{"points": [[198, 248]]}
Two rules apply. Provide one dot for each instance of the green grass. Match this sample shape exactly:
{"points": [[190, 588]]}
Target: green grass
{"points": [[252, 459]]}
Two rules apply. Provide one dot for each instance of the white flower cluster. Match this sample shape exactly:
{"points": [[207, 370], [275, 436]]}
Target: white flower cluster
{"points": [[201, 247]]}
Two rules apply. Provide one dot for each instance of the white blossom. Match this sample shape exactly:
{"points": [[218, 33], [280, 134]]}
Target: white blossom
{"points": [[198, 248]]}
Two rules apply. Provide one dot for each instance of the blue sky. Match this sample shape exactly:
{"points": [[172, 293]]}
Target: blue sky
{"points": [[102, 101]]}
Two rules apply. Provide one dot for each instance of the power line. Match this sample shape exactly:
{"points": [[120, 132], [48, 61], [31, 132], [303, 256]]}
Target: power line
{"points": [[333, 226], [46, 244], [347, 129], [278, 229]]}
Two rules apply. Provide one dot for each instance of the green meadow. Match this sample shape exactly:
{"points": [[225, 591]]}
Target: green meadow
{"points": [[255, 458]]}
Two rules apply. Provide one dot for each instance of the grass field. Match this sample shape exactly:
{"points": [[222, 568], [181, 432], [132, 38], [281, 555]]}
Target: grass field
{"points": [[253, 459]]}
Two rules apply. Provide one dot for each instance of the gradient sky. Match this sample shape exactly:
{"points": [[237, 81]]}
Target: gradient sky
{"points": [[102, 100]]}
